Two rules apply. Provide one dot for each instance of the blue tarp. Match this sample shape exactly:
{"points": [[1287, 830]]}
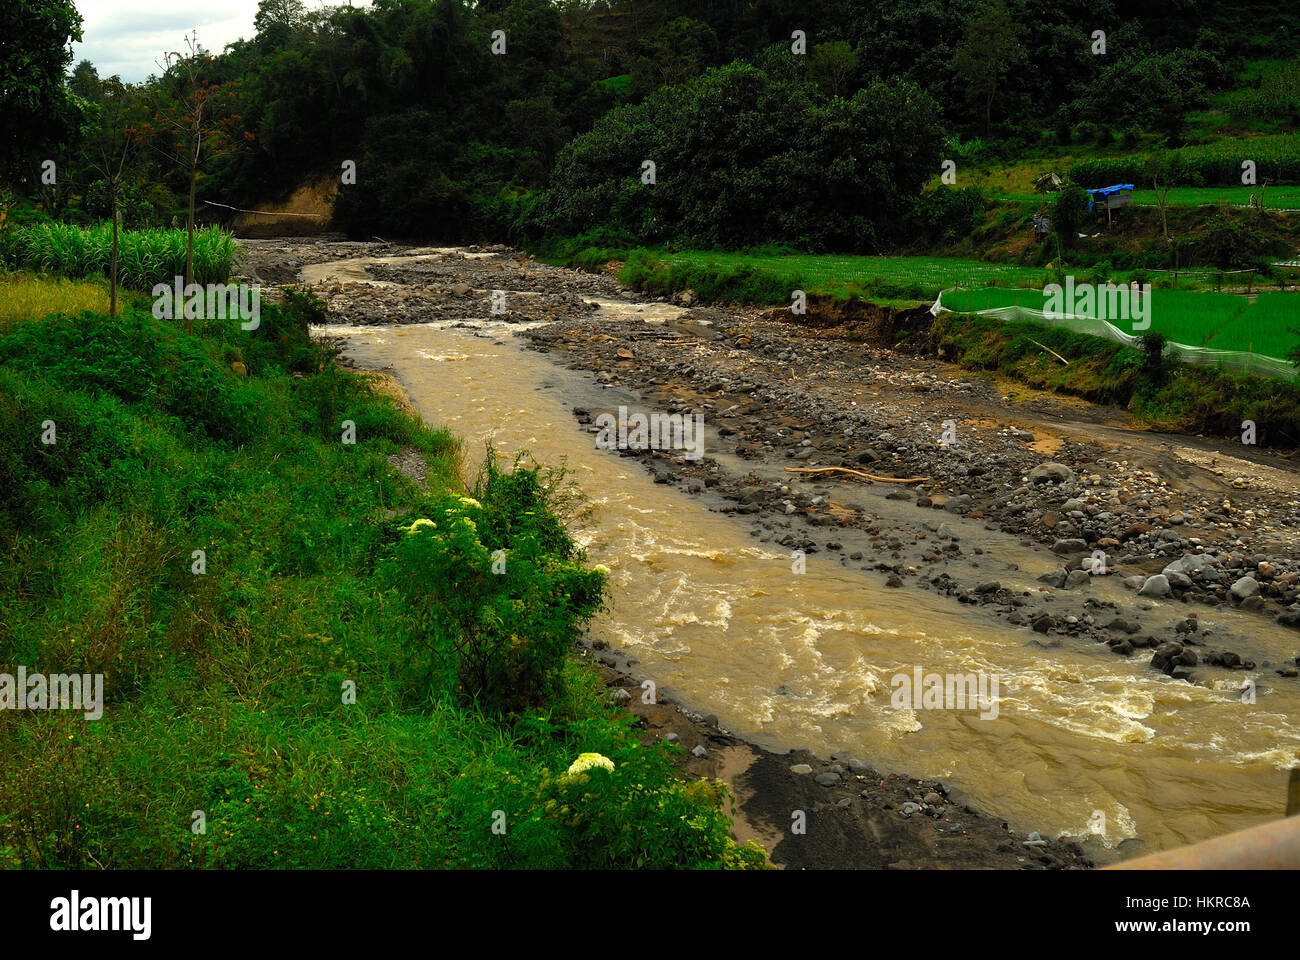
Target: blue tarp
{"points": [[1104, 192], [1107, 191]]}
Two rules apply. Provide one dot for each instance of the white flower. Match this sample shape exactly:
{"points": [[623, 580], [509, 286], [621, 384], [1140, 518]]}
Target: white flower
{"points": [[601, 569], [471, 502], [589, 761], [422, 522]]}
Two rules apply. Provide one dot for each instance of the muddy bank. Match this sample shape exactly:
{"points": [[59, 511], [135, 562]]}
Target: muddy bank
{"points": [[813, 813]]}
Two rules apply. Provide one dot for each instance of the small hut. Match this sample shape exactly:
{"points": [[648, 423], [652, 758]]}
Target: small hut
{"points": [[1119, 195]]}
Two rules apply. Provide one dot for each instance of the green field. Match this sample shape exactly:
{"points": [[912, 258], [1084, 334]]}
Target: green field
{"points": [[1275, 198], [1220, 320], [838, 274]]}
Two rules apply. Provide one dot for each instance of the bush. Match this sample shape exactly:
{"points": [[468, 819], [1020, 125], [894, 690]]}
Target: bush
{"points": [[496, 593]]}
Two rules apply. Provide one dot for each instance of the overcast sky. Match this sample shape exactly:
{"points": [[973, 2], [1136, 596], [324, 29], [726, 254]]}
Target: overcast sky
{"points": [[128, 37]]}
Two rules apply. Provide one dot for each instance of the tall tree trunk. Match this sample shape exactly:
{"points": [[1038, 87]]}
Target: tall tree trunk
{"points": [[112, 275], [189, 246]]}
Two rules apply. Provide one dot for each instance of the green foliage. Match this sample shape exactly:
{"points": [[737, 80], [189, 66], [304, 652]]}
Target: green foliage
{"points": [[145, 257], [1156, 90], [1277, 160], [223, 689], [493, 595], [1069, 212], [741, 158], [36, 111], [1275, 97]]}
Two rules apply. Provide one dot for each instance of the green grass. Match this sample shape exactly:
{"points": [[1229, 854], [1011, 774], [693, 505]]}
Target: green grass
{"points": [[145, 257], [842, 276], [1275, 198], [225, 689], [1219, 320]]}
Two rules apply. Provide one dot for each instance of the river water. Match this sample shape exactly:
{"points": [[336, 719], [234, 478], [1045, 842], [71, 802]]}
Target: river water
{"points": [[806, 659]]}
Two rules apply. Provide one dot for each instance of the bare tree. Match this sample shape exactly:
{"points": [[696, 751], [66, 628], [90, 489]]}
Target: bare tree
{"points": [[198, 126], [114, 146]]}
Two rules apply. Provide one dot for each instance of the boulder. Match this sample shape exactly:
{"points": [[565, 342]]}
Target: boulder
{"points": [[1157, 586], [1051, 473], [1245, 587]]}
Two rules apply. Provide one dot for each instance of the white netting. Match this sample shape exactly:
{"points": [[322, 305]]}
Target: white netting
{"points": [[1231, 359]]}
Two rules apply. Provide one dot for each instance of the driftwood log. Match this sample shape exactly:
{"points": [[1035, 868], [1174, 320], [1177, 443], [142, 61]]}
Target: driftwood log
{"points": [[857, 473]]}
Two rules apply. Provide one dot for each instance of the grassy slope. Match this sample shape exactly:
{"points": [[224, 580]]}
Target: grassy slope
{"points": [[224, 689]]}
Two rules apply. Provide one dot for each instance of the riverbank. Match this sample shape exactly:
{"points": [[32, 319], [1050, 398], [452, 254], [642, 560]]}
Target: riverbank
{"points": [[994, 515], [818, 813]]}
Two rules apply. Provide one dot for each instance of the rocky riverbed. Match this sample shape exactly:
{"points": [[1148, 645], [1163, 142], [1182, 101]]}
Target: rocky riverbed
{"points": [[1072, 524]]}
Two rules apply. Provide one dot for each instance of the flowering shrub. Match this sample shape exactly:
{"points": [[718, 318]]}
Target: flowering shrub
{"points": [[590, 761], [633, 816], [497, 628]]}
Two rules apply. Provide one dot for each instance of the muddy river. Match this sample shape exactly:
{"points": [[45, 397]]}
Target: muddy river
{"points": [[1078, 742]]}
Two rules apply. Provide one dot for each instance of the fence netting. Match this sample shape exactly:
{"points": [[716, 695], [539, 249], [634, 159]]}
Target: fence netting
{"points": [[1241, 360]]}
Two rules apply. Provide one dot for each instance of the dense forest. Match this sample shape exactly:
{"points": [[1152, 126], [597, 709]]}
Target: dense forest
{"points": [[815, 125]]}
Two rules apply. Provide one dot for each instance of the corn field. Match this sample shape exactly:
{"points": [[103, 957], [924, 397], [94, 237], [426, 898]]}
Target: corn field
{"points": [[145, 257], [1276, 158]]}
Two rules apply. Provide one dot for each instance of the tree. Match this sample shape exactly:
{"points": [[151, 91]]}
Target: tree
{"points": [[198, 127], [283, 13], [1069, 210], [113, 145], [832, 65], [35, 111], [85, 81], [990, 49], [1159, 169]]}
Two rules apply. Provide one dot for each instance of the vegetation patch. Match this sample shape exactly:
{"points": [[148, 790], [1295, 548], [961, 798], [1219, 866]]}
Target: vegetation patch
{"points": [[308, 658]]}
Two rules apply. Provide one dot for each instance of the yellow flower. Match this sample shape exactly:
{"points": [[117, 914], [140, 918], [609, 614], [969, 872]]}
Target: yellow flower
{"points": [[422, 522], [470, 502], [588, 761]]}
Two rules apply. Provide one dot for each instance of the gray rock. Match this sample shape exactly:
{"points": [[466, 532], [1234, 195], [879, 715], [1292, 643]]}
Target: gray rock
{"points": [[801, 768], [827, 779], [1198, 563], [1071, 545], [1055, 578], [1051, 473], [1245, 587], [699, 751], [1077, 578], [1157, 586]]}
